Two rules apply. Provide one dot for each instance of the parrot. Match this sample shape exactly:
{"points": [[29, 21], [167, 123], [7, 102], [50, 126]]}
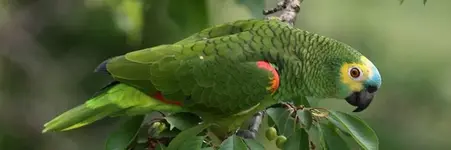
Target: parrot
{"points": [[226, 73]]}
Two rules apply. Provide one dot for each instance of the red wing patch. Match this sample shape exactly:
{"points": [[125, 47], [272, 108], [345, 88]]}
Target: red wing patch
{"points": [[275, 80], [160, 97]]}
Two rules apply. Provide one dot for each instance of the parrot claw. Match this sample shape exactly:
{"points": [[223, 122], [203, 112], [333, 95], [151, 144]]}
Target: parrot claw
{"points": [[254, 125], [247, 134]]}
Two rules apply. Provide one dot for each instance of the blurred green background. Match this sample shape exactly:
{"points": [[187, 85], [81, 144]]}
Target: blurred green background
{"points": [[48, 50]]}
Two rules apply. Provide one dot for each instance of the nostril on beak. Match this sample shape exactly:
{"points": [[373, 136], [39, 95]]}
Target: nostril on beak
{"points": [[371, 89]]}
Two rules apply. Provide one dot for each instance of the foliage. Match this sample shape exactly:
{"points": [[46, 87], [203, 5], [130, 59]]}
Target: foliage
{"points": [[322, 129]]}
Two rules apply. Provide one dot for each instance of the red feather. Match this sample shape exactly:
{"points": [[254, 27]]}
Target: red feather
{"points": [[275, 80], [160, 97]]}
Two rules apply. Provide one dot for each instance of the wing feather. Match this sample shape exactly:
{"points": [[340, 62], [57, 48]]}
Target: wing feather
{"points": [[219, 75]]}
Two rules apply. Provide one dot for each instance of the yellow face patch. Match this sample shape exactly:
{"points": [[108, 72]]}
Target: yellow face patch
{"points": [[353, 74]]}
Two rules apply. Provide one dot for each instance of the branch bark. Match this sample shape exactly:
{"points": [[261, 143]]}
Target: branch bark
{"points": [[289, 9]]}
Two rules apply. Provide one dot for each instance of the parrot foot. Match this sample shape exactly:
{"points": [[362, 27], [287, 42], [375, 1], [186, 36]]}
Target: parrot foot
{"points": [[254, 125], [247, 134]]}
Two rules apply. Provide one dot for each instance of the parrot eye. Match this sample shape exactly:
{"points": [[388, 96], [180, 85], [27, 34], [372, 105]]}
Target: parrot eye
{"points": [[355, 72]]}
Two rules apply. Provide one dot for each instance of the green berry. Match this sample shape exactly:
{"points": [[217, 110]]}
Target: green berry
{"points": [[156, 125], [280, 141], [271, 133], [162, 127]]}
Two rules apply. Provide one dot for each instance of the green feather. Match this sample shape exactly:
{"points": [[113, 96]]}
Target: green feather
{"points": [[119, 98]]}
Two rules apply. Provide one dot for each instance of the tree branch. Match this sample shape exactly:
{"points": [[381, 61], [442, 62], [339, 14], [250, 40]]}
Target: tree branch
{"points": [[289, 9]]}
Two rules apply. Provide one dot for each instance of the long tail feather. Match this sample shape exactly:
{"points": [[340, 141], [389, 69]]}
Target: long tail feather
{"points": [[78, 117], [116, 98]]}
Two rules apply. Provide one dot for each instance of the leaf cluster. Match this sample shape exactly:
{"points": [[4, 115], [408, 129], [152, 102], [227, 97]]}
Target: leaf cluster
{"points": [[287, 127]]}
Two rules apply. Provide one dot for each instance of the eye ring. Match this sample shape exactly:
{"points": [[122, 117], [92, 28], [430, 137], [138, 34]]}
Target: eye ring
{"points": [[355, 72]]}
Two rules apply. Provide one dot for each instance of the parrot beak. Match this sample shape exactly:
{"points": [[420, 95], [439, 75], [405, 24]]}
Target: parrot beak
{"points": [[362, 99]]}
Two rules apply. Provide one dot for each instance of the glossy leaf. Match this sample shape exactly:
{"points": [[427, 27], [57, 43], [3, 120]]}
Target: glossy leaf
{"points": [[359, 130], [315, 136], [125, 135], [299, 140], [160, 147], [233, 143], [253, 144], [189, 134], [305, 116], [182, 121], [331, 137], [193, 143], [284, 122], [339, 126]]}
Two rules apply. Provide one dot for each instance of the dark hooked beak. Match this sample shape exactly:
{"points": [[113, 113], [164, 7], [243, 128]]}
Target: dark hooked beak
{"points": [[362, 99]]}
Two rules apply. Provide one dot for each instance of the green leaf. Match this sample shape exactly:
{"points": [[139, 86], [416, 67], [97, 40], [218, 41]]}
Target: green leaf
{"points": [[299, 140], [255, 6], [339, 126], [401, 1], [182, 121], [331, 137], [305, 116], [359, 130], [169, 133], [253, 144], [233, 143], [186, 135], [193, 143], [284, 122], [160, 147], [208, 148], [125, 135], [315, 135], [424, 2]]}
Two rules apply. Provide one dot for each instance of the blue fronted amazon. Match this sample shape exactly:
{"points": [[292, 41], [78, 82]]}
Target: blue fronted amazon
{"points": [[228, 72]]}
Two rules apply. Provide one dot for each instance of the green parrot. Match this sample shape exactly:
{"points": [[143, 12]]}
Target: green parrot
{"points": [[226, 73]]}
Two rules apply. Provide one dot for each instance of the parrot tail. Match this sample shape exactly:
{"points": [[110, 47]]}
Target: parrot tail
{"points": [[113, 100]]}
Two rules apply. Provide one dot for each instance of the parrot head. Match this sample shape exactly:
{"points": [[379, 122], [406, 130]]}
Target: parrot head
{"points": [[359, 81]]}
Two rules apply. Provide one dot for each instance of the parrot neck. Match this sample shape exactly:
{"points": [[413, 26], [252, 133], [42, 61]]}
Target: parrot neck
{"points": [[312, 72], [308, 84]]}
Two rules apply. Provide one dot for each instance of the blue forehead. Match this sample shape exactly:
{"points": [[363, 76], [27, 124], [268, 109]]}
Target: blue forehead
{"points": [[375, 77]]}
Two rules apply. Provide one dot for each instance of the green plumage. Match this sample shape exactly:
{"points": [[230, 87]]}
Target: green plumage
{"points": [[214, 74], [118, 99]]}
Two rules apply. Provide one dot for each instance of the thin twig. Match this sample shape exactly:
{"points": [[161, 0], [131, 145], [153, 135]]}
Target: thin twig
{"points": [[289, 8]]}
